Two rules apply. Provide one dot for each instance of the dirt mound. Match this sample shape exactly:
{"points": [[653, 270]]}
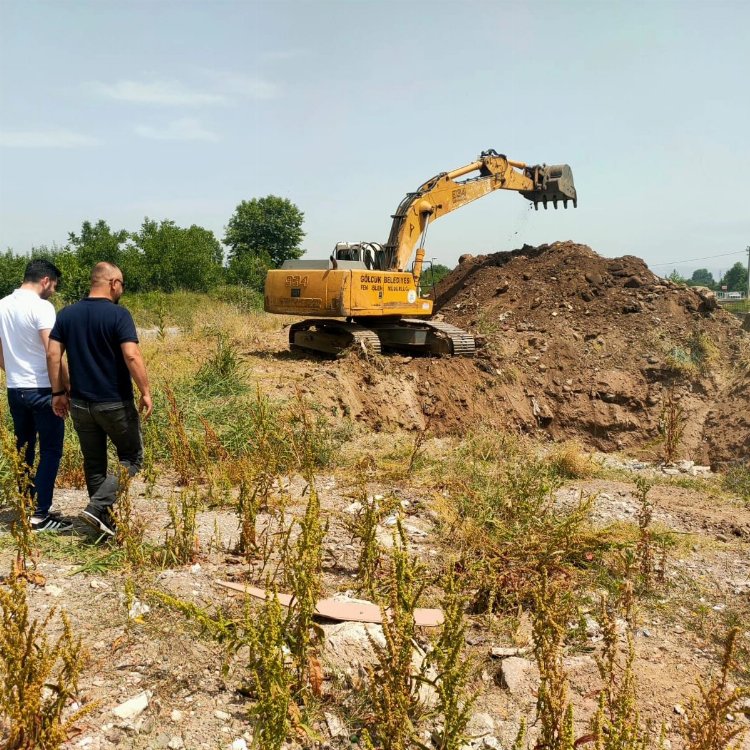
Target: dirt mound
{"points": [[571, 344], [595, 347]]}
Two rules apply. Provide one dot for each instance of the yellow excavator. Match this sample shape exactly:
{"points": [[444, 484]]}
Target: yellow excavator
{"points": [[367, 294]]}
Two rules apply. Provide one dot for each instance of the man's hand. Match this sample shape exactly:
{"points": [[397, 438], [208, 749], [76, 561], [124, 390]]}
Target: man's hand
{"points": [[61, 405], [145, 405]]}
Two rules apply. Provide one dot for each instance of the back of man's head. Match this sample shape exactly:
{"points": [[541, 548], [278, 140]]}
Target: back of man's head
{"points": [[36, 270], [102, 272]]}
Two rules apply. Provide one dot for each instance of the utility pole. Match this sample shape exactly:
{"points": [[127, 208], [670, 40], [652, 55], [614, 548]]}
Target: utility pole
{"points": [[748, 272]]}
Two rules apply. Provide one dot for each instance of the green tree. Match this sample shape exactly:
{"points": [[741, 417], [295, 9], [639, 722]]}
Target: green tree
{"points": [[75, 281], [11, 271], [432, 276], [249, 270], [703, 277], [735, 279], [265, 227], [677, 278], [96, 243], [167, 257]]}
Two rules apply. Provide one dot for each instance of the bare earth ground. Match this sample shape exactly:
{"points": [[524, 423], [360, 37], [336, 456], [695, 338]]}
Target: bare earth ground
{"points": [[708, 587], [583, 348]]}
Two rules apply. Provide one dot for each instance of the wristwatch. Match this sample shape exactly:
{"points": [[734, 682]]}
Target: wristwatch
{"points": [[58, 393]]}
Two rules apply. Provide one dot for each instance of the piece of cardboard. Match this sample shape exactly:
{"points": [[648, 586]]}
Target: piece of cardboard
{"points": [[341, 609]]}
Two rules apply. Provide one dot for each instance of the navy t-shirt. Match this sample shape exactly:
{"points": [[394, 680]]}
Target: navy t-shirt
{"points": [[91, 331]]}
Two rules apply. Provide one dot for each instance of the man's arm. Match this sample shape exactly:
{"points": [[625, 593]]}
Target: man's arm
{"points": [[64, 381], [55, 349], [137, 367]]}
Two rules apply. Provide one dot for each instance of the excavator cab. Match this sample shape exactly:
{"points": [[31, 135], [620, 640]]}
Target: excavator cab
{"points": [[555, 183], [369, 253]]}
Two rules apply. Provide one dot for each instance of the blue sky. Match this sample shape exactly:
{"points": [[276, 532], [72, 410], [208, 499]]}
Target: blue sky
{"points": [[180, 110]]}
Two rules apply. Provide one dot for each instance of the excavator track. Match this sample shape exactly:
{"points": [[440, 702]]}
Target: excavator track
{"points": [[332, 337], [413, 335], [462, 343]]}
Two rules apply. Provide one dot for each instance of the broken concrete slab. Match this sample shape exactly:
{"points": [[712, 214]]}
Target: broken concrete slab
{"points": [[343, 610]]}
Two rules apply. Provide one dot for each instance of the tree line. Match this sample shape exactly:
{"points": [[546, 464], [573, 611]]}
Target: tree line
{"points": [[160, 256], [735, 279]]}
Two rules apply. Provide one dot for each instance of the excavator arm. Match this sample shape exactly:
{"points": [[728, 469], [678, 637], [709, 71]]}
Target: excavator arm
{"points": [[446, 192]]}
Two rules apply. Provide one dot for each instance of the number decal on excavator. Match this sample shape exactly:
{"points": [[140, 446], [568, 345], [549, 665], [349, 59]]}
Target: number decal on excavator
{"points": [[296, 281]]}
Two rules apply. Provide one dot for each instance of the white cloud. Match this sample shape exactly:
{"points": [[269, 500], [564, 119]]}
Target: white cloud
{"points": [[45, 139], [244, 87], [184, 129], [167, 93], [220, 88]]}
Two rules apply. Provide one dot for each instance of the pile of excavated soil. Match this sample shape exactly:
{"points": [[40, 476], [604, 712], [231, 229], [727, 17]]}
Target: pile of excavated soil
{"points": [[595, 348], [571, 344]]}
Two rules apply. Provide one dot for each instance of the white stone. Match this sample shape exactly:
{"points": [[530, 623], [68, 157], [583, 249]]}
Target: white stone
{"points": [[176, 715], [679, 710], [195, 568], [133, 707], [238, 744], [176, 743], [592, 626], [334, 724], [349, 652], [138, 609], [517, 675], [354, 508], [480, 724], [51, 590], [222, 715]]}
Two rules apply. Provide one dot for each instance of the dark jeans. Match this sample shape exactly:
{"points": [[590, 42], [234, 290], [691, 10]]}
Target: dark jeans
{"points": [[94, 423], [31, 409]]}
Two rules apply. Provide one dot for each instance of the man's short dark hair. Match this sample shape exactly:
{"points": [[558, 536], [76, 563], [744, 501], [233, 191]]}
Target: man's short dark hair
{"points": [[38, 269]]}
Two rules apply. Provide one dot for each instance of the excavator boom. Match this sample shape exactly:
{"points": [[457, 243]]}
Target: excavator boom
{"points": [[446, 192]]}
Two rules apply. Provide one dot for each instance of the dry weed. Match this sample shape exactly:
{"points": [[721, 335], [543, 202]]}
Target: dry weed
{"points": [[569, 461]]}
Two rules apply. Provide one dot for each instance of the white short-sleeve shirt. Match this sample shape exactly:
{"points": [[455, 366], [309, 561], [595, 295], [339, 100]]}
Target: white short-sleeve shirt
{"points": [[22, 315]]}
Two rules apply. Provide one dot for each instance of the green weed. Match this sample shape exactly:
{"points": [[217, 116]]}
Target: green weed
{"points": [[181, 544], [38, 678], [452, 668], [393, 686], [707, 726]]}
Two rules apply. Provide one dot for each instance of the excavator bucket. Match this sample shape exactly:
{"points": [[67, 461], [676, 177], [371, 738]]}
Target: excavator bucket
{"points": [[554, 183]]}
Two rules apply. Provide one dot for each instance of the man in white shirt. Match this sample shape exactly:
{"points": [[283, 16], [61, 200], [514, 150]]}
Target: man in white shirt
{"points": [[26, 319]]}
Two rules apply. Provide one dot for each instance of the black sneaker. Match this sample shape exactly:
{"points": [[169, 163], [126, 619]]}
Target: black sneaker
{"points": [[50, 522], [100, 520]]}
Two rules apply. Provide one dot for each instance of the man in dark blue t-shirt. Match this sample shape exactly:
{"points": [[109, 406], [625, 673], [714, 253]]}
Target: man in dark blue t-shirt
{"points": [[103, 355]]}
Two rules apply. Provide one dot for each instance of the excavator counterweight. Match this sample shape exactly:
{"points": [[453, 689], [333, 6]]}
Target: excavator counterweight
{"points": [[369, 294]]}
